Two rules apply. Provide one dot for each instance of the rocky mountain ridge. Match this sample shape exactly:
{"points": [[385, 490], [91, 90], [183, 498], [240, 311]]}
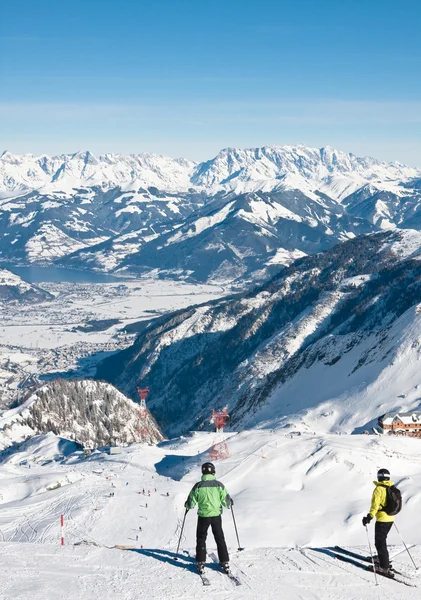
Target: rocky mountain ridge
{"points": [[337, 333]]}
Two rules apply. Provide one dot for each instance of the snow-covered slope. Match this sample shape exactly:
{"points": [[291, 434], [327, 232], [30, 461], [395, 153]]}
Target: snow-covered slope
{"points": [[295, 498], [41, 227], [233, 238], [388, 205], [329, 343], [14, 289], [90, 412]]}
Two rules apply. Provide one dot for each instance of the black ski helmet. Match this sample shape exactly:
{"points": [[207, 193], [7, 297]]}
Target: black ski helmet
{"points": [[208, 468], [383, 475]]}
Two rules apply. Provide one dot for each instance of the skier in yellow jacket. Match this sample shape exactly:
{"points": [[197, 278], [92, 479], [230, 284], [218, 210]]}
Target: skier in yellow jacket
{"points": [[384, 521]]}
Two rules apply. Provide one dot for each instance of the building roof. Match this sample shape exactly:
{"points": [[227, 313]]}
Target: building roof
{"points": [[412, 416]]}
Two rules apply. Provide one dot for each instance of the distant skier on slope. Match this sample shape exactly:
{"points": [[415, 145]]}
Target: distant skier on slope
{"points": [[385, 503], [211, 496]]}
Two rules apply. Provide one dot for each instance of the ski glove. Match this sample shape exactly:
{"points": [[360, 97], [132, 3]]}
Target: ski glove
{"points": [[367, 519], [228, 501], [186, 505]]}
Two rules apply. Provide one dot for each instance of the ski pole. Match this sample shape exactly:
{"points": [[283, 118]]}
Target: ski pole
{"points": [[371, 556], [236, 530], [181, 533], [406, 547]]}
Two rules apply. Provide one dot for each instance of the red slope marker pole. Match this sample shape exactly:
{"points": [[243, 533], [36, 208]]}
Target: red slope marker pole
{"points": [[62, 530]]}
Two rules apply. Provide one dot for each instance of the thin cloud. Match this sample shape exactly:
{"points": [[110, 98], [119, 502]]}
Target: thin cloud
{"points": [[312, 113]]}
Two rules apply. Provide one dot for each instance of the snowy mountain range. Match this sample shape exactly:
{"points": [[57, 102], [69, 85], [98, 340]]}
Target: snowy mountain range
{"points": [[92, 413], [333, 169], [328, 344], [234, 217]]}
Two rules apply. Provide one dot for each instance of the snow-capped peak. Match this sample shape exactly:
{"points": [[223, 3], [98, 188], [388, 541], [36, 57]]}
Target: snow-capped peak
{"points": [[20, 174], [325, 169], [319, 168]]}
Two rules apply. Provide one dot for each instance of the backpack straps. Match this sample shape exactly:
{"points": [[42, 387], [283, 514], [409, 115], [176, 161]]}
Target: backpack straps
{"points": [[385, 487]]}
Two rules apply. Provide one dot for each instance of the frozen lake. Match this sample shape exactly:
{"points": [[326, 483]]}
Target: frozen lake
{"points": [[34, 274]]}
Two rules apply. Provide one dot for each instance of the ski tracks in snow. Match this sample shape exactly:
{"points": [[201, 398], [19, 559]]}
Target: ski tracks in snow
{"points": [[270, 574]]}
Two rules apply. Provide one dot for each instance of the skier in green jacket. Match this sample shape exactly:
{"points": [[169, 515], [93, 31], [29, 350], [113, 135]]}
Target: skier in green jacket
{"points": [[211, 496]]}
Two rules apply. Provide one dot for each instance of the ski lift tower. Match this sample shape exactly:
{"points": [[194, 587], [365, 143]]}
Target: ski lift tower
{"points": [[219, 450], [143, 430]]}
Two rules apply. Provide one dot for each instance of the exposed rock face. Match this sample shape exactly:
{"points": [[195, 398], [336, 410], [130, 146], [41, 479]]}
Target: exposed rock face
{"points": [[93, 413]]}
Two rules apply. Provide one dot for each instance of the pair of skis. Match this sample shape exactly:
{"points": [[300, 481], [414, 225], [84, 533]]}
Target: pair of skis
{"points": [[358, 560], [233, 578]]}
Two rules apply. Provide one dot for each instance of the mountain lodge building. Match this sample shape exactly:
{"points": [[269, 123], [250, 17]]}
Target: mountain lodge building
{"points": [[403, 423]]}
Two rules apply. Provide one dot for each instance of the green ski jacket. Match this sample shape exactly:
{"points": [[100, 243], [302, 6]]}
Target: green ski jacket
{"points": [[210, 495]]}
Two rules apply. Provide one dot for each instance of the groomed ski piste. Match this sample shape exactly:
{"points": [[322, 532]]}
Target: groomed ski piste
{"points": [[296, 498]]}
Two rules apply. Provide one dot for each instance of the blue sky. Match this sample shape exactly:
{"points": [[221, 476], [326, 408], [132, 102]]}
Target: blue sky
{"points": [[187, 78]]}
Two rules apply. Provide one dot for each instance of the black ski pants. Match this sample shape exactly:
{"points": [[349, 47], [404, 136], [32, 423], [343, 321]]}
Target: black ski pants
{"points": [[201, 534], [380, 535]]}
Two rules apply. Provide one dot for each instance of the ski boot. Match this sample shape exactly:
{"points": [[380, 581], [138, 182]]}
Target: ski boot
{"points": [[385, 572], [200, 567], [377, 563], [226, 567]]}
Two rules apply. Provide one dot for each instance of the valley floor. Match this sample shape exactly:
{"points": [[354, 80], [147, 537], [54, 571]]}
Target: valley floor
{"points": [[81, 326]]}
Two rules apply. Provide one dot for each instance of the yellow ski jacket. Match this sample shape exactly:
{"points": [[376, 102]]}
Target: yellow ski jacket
{"points": [[379, 500]]}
